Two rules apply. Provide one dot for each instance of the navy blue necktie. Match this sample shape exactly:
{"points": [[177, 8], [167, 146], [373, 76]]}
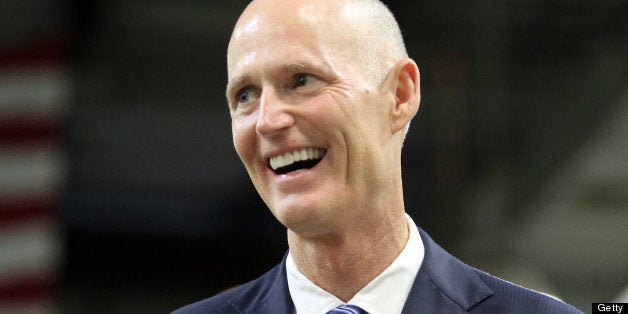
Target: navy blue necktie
{"points": [[347, 309]]}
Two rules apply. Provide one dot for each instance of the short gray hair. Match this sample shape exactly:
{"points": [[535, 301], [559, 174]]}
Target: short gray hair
{"points": [[375, 34]]}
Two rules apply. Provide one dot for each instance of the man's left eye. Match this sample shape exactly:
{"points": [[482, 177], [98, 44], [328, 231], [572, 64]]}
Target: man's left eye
{"points": [[304, 79]]}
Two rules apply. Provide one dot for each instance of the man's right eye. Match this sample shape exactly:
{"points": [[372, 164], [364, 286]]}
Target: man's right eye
{"points": [[244, 96]]}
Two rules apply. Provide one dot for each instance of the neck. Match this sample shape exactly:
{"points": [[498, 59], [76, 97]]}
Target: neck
{"points": [[344, 263]]}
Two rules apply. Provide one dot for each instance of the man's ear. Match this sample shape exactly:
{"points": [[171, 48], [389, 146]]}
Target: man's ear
{"points": [[407, 89]]}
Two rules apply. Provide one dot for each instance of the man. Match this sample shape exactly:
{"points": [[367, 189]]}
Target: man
{"points": [[321, 94]]}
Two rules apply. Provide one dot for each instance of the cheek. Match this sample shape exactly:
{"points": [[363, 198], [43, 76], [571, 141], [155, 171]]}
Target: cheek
{"points": [[351, 113], [243, 134]]}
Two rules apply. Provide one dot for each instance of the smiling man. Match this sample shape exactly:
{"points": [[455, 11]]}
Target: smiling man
{"points": [[321, 94]]}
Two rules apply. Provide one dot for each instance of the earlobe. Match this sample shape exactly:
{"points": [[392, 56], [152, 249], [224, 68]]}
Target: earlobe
{"points": [[407, 94]]}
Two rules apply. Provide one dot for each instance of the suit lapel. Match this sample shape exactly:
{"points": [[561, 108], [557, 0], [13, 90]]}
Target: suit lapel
{"points": [[269, 294], [444, 284]]}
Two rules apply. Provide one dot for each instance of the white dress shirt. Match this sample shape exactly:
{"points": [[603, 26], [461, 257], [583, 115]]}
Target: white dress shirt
{"points": [[386, 294]]}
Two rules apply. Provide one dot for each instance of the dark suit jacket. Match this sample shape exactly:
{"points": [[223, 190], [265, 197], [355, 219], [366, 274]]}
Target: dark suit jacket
{"points": [[443, 285]]}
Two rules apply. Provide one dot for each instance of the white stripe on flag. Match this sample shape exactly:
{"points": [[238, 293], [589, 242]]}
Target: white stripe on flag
{"points": [[34, 91], [31, 169], [29, 249]]}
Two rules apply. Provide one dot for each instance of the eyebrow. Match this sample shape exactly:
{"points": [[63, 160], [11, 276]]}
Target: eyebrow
{"points": [[295, 67], [320, 69]]}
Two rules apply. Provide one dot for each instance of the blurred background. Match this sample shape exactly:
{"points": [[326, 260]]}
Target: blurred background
{"points": [[120, 191]]}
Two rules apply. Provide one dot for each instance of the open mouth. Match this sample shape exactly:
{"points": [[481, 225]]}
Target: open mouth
{"points": [[302, 159]]}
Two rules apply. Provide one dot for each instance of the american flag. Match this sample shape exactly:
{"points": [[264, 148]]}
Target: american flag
{"points": [[35, 91]]}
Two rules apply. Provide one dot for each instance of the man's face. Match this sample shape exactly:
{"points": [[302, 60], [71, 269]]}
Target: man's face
{"points": [[296, 93]]}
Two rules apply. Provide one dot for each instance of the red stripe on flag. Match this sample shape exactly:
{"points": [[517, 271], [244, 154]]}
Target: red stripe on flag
{"points": [[29, 130], [28, 287], [11, 212], [42, 52]]}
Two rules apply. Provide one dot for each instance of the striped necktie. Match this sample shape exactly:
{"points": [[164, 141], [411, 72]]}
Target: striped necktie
{"points": [[347, 309]]}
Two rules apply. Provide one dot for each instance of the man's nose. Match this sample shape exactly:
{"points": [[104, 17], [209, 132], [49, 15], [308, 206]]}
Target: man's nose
{"points": [[273, 114]]}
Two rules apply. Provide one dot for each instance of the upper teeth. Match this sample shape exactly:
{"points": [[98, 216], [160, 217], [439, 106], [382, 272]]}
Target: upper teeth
{"points": [[297, 155]]}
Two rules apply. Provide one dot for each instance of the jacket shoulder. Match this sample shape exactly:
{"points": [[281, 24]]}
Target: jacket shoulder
{"points": [[236, 299], [511, 298], [460, 288], [216, 304]]}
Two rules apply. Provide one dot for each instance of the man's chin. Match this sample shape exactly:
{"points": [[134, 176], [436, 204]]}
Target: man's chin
{"points": [[305, 222]]}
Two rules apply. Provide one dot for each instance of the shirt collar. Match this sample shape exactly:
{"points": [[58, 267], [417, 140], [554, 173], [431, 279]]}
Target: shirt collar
{"points": [[387, 293]]}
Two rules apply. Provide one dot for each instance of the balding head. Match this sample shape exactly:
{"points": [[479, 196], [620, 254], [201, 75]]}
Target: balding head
{"points": [[365, 31]]}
